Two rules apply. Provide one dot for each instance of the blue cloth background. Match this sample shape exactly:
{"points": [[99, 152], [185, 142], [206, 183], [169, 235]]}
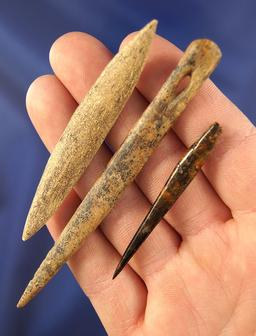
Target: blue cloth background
{"points": [[27, 30]]}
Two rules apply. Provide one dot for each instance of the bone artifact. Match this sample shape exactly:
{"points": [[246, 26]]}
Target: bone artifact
{"points": [[178, 181], [198, 62]]}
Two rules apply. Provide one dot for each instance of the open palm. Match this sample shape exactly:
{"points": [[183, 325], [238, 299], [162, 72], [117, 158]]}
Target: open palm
{"points": [[196, 273]]}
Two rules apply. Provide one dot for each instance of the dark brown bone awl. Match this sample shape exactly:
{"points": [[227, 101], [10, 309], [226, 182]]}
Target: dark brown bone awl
{"points": [[198, 62], [178, 181]]}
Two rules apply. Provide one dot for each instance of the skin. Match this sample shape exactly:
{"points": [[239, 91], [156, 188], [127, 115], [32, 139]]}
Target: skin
{"points": [[196, 273]]}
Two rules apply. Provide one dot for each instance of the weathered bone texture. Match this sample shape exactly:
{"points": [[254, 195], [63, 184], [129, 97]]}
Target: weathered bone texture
{"points": [[199, 60], [88, 128], [180, 178]]}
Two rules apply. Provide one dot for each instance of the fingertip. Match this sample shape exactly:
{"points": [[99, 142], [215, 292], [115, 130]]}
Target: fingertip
{"points": [[49, 104], [34, 91], [127, 39], [72, 43], [62, 42]]}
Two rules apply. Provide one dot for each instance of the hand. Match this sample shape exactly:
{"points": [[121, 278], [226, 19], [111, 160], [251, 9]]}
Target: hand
{"points": [[196, 273]]}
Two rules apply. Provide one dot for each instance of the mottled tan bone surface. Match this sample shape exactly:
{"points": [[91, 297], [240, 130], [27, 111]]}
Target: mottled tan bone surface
{"points": [[199, 60], [88, 128]]}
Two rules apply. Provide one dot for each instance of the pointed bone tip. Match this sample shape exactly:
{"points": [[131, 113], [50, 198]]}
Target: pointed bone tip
{"points": [[149, 29], [152, 25], [144, 36], [21, 303], [119, 267], [29, 293], [30, 229], [26, 233], [117, 271], [25, 236]]}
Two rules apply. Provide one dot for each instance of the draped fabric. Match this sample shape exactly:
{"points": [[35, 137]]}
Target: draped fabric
{"points": [[27, 30]]}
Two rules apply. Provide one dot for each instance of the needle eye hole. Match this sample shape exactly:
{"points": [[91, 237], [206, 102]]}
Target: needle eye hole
{"points": [[183, 84]]}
